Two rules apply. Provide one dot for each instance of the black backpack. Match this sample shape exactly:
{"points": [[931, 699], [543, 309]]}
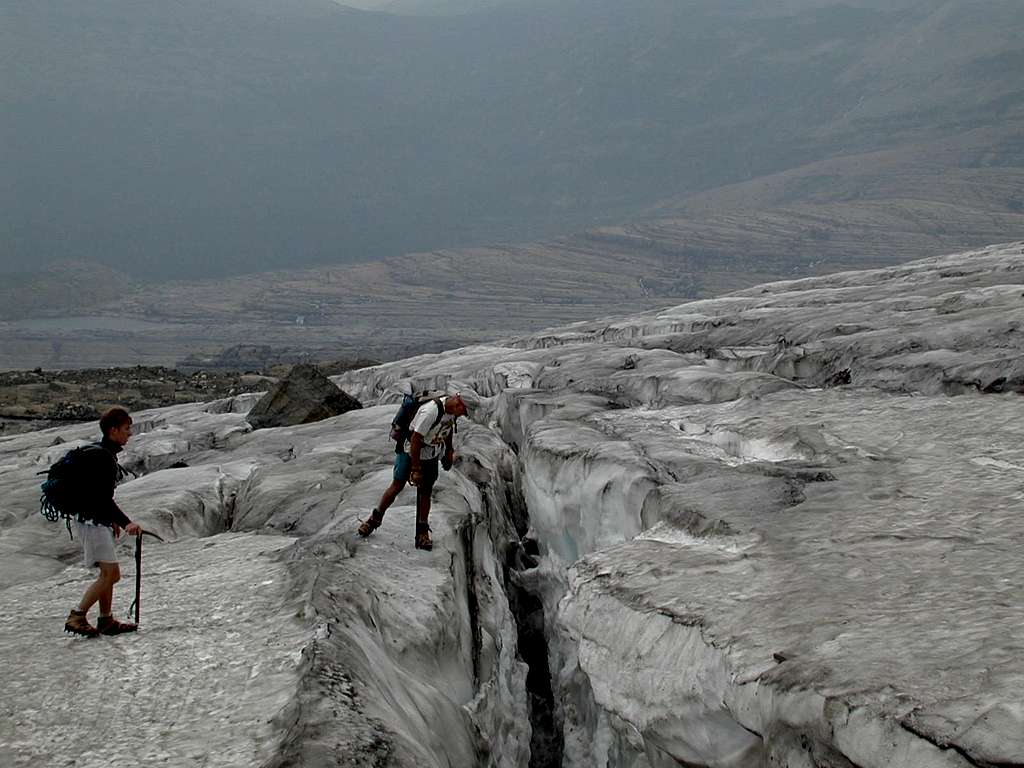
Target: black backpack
{"points": [[62, 486], [400, 431]]}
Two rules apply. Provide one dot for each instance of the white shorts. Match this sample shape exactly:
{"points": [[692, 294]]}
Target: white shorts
{"points": [[97, 544]]}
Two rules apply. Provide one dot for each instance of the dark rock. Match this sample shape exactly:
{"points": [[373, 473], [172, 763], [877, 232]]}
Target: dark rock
{"points": [[303, 396], [64, 411], [838, 379]]}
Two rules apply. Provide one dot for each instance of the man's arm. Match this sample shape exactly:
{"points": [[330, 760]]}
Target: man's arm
{"points": [[415, 446], [105, 473], [421, 424], [449, 452], [120, 520], [117, 517]]}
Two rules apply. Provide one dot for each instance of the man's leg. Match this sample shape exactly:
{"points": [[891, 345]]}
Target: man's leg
{"points": [[106, 624], [390, 494], [113, 572], [400, 476], [423, 492], [423, 540], [102, 590], [423, 503], [372, 523]]}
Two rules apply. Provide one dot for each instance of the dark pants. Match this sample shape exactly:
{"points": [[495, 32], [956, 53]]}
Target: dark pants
{"points": [[400, 476], [403, 468]]}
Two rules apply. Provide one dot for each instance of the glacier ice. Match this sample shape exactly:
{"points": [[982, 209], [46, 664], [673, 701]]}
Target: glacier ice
{"points": [[779, 528]]}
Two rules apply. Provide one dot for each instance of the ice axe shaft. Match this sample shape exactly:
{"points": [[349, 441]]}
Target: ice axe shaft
{"points": [[137, 604], [138, 577]]}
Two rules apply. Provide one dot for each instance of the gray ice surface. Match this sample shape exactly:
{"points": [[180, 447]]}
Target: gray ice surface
{"points": [[783, 527]]}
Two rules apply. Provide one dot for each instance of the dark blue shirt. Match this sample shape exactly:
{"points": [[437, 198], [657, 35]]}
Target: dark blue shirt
{"points": [[99, 477]]}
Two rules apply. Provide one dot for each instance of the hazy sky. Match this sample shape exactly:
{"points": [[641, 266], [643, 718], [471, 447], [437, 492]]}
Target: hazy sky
{"points": [[211, 137]]}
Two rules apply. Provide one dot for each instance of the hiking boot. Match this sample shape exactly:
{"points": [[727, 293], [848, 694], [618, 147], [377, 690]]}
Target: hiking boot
{"points": [[78, 624], [108, 625], [423, 537], [370, 524]]}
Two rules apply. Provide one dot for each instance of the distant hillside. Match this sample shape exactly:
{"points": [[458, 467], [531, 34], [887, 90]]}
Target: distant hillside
{"points": [[438, 7], [60, 288], [206, 137], [850, 212]]}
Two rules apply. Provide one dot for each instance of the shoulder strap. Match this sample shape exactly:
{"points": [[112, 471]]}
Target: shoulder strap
{"points": [[90, 448], [82, 449], [440, 411]]}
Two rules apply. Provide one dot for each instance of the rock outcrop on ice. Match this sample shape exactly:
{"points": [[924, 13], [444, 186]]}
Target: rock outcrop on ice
{"points": [[303, 396], [782, 527]]}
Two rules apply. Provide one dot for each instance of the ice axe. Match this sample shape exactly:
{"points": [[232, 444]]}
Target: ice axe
{"points": [[138, 572]]}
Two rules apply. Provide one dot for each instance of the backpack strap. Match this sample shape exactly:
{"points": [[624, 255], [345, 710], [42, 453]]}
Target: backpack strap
{"points": [[440, 411], [90, 448]]}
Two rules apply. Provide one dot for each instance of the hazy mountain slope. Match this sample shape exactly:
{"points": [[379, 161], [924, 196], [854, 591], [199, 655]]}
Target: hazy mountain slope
{"points": [[848, 212], [981, 168], [189, 137], [851, 212], [439, 7]]}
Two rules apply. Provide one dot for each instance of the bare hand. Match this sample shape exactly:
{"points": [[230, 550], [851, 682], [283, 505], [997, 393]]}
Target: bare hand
{"points": [[133, 529], [117, 530], [447, 460], [415, 477]]}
